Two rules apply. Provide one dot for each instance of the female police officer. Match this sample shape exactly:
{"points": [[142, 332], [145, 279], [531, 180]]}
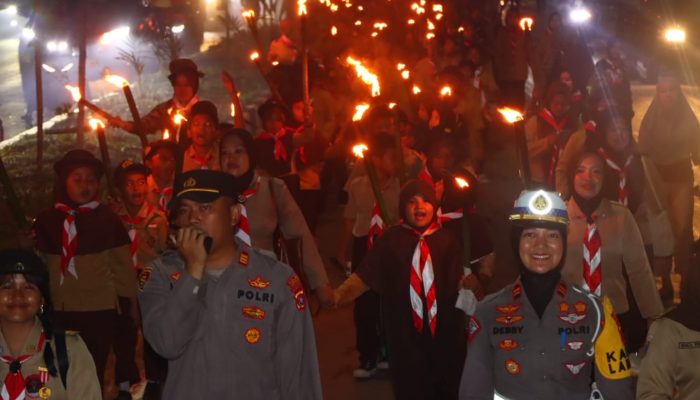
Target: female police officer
{"points": [[539, 337]]}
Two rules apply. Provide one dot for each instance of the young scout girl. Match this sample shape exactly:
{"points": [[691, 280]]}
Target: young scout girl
{"points": [[413, 267]]}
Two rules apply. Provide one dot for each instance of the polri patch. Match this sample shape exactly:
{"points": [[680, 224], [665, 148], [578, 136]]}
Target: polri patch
{"points": [[508, 344], [259, 282], [473, 329], [512, 367], [253, 312], [252, 335]]}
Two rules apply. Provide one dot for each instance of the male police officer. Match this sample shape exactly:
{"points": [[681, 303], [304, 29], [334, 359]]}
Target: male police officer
{"points": [[231, 321]]}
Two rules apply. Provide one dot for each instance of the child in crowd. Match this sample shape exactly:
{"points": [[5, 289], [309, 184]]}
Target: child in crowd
{"points": [[363, 219], [414, 270], [161, 159], [203, 152]]}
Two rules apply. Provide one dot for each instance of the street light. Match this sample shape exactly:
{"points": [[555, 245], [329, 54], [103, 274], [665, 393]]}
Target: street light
{"points": [[580, 15], [675, 35]]}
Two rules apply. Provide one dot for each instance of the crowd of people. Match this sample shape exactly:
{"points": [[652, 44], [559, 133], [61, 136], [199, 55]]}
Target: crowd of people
{"points": [[470, 277]]}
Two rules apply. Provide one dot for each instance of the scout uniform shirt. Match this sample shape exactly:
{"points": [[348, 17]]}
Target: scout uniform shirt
{"points": [[191, 160], [148, 232], [159, 197], [81, 377], [520, 356], [243, 334]]}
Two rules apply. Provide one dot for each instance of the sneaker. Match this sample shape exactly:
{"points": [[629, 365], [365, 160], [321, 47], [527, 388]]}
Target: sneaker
{"points": [[365, 371]]}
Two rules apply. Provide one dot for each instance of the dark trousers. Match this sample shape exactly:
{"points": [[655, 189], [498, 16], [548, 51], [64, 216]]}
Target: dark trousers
{"points": [[125, 345], [513, 93], [634, 326], [367, 312], [156, 366], [97, 329]]}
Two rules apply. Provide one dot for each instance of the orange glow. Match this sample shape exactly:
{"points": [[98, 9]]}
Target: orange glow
{"points": [[380, 25], [359, 150], [526, 23], [374, 34], [75, 92], [166, 135], [254, 56], [360, 111], [116, 80], [411, 21], [510, 114], [430, 35], [431, 25], [233, 110], [365, 75], [178, 118], [461, 182], [392, 106], [405, 74], [437, 8], [301, 7], [400, 66], [416, 89], [334, 30], [96, 123], [446, 91], [248, 14], [358, 23]]}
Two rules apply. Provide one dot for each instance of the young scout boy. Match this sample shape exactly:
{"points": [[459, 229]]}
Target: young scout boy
{"points": [[232, 321]]}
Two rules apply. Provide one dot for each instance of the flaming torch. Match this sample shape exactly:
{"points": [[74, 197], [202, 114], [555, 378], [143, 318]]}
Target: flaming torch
{"points": [[118, 81], [99, 128], [303, 12], [78, 98], [360, 151], [463, 184], [178, 119], [252, 22], [515, 118], [446, 91], [526, 24], [365, 75]]}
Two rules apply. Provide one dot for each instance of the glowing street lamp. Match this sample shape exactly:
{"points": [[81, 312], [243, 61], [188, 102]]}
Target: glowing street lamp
{"points": [[580, 15], [675, 35]]}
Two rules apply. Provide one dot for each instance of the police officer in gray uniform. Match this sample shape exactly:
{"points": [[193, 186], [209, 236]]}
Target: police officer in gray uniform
{"points": [[541, 338], [232, 322]]}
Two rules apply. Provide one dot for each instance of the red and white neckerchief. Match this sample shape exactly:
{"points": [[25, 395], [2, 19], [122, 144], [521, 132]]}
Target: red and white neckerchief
{"points": [[450, 216], [280, 150], [164, 195], [592, 274], [14, 385], [422, 281], [243, 232], [376, 226], [69, 237], [623, 193], [132, 223], [202, 161], [547, 117]]}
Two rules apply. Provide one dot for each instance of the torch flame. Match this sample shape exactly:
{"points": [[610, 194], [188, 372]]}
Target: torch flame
{"points": [[416, 89], [75, 92], [301, 7], [431, 25], [461, 182], [526, 23], [178, 118], [510, 114], [365, 75], [233, 110], [405, 74], [116, 80], [400, 66], [446, 91], [166, 135], [437, 8], [96, 123], [380, 25], [360, 111], [254, 56], [411, 21], [392, 106], [359, 150], [248, 14], [430, 35], [334, 30]]}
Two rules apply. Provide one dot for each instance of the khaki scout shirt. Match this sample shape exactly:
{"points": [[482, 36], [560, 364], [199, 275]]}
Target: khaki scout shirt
{"points": [[246, 334], [266, 212], [670, 368], [622, 248], [361, 203], [151, 228], [190, 160], [159, 197], [520, 356], [82, 376]]}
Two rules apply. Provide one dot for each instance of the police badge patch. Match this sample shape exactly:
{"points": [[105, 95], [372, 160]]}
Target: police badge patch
{"points": [[252, 335], [297, 289], [575, 369], [512, 367]]}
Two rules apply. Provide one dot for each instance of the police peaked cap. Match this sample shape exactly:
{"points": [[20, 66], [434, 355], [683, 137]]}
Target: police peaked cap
{"points": [[205, 186]]}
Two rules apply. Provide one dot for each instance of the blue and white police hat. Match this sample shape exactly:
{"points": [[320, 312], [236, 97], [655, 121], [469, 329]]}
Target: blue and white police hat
{"points": [[539, 206]]}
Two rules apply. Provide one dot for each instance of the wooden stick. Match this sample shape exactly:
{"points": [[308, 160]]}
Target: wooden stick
{"points": [[138, 128]]}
